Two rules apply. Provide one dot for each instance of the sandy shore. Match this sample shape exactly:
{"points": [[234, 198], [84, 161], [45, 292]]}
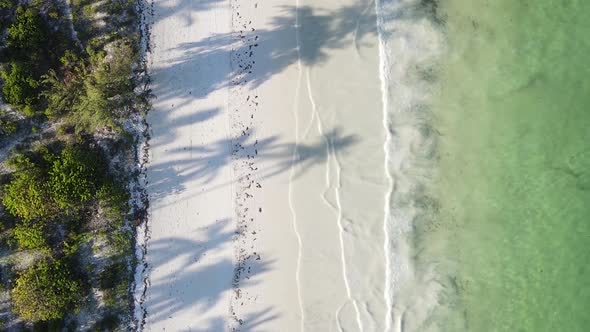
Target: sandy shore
{"points": [[266, 174]]}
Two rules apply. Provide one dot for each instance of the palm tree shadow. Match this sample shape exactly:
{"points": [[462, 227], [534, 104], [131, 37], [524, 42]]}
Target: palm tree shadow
{"points": [[199, 285], [304, 34], [187, 8], [207, 161], [251, 322], [307, 34], [274, 48]]}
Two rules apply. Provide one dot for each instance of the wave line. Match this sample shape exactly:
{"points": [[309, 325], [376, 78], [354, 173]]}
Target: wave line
{"points": [[388, 292], [294, 159]]}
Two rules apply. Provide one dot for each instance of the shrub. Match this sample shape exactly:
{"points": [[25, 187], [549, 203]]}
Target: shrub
{"points": [[61, 96], [74, 177], [30, 235], [28, 32], [114, 283], [50, 183], [106, 92], [6, 4], [27, 197], [115, 76], [64, 129], [70, 59], [46, 291], [91, 111], [122, 242], [113, 199], [8, 123], [73, 241], [20, 88]]}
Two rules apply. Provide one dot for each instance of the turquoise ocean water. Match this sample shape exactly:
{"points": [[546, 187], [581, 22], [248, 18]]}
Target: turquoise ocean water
{"points": [[490, 122], [513, 181]]}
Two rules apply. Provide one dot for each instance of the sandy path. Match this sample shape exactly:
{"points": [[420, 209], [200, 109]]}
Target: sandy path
{"points": [[266, 174]]}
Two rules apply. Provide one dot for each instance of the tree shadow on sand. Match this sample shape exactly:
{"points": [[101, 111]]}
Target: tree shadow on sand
{"points": [[199, 285], [298, 33], [187, 8], [277, 47], [320, 32], [252, 322], [204, 163], [305, 34]]}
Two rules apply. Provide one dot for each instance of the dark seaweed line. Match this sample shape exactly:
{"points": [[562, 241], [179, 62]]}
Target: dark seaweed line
{"points": [[145, 10]]}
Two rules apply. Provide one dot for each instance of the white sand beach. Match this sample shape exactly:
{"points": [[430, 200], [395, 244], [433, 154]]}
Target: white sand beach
{"points": [[267, 177]]}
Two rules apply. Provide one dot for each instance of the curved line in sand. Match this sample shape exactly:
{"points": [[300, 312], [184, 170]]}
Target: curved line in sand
{"points": [[338, 207], [294, 158]]}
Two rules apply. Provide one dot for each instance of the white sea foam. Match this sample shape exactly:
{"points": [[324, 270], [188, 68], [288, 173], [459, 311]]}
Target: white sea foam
{"points": [[410, 44]]}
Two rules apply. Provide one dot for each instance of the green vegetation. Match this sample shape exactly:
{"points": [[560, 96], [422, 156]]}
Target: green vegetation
{"points": [[30, 235], [20, 88], [113, 198], [28, 32], [40, 190], [49, 185], [74, 177], [33, 47], [46, 291], [8, 124], [92, 96], [28, 196], [69, 94]]}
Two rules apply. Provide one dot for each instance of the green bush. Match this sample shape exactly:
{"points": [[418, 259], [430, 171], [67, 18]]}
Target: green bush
{"points": [[122, 242], [73, 241], [27, 196], [6, 4], [46, 291], [30, 235], [61, 96], [91, 112], [65, 129], [116, 76], [8, 123], [107, 91], [93, 96], [114, 283], [28, 32], [113, 199], [70, 59], [54, 183], [74, 177], [20, 88]]}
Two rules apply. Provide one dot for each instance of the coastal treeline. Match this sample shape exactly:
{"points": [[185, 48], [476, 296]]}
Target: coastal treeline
{"points": [[66, 158]]}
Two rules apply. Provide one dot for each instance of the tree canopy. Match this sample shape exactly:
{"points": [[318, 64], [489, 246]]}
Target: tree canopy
{"points": [[28, 31], [74, 177], [20, 88], [55, 183], [27, 196], [46, 291]]}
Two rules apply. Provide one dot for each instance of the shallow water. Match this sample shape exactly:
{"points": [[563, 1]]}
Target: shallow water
{"points": [[499, 204], [513, 186]]}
